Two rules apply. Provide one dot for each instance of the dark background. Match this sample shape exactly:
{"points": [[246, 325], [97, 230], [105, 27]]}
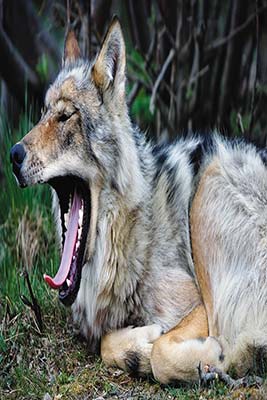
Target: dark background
{"points": [[192, 65]]}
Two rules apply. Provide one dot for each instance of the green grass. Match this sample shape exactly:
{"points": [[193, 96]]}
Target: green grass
{"points": [[26, 227], [55, 361]]}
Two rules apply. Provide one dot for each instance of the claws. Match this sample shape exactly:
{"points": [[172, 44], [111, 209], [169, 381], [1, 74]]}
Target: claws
{"points": [[209, 374]]}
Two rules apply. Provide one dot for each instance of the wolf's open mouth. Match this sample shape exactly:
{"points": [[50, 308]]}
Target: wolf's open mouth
{"points": [[75, 207]]}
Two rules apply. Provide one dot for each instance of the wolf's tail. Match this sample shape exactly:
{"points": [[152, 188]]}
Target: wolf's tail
{"points": [[248, 354]]}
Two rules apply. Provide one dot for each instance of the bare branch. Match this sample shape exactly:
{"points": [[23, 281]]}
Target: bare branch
{"points": [[33, 304], [159, 79], [135, 90], [223, 41], [252, 108], [15, 71]]}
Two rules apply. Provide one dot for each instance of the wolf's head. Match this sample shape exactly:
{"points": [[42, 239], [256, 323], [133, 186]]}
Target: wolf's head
{"points": [[81, 143]]}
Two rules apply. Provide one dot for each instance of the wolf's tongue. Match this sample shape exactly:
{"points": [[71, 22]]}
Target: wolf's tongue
{"points": [[69, 246]]}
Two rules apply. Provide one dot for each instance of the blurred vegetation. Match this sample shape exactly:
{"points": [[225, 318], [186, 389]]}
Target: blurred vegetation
{"points": [[192, 65]]}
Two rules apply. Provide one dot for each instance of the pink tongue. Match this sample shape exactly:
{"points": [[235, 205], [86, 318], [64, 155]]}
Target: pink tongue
{"points": [[69, 246]]}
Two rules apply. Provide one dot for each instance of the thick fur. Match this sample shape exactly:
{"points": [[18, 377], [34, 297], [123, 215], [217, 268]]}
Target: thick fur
{"points": [[141, 268]]}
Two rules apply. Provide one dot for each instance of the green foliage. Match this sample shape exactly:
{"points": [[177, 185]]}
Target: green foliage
{"points": [[24, 214], [42, 68], [244, 120], [140, 106]]}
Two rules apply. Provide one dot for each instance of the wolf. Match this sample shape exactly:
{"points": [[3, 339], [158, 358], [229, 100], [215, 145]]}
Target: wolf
{"points": [[163, 248]]}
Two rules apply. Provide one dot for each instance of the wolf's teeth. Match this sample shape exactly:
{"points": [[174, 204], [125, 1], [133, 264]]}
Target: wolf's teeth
{"points": [[73, 258], [66, 220], [77, 245], [80, 217], [68, 282], [79, 233]]}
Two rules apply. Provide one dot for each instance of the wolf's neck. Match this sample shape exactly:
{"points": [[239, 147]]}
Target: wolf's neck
{"points": [[109, 293]]}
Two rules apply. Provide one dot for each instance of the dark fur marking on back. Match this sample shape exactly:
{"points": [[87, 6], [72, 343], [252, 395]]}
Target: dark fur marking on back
{"points": [[161, 154], [204, 147], [132, 362], [173, 184], [263, 156], [195, 158]]}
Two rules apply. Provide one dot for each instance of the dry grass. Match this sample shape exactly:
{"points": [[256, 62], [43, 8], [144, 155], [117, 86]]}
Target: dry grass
{"points": [[58, 365]]}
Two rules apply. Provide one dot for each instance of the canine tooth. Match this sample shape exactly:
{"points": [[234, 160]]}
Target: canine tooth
{"points": [[79, 233], [80, 217], [68, 282], [66, 220]]}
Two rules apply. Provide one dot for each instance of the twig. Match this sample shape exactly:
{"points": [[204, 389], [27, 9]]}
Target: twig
{"points": [[138, 85], [252, 108], [240, 123], [33, 304], [89, 29], [223, 41], [68, 15], [15, 71], [195, 77], [159, 79]]}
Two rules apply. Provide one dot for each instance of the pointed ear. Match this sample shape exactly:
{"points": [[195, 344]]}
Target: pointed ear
{"points": [[71, 48], [109, 67]]}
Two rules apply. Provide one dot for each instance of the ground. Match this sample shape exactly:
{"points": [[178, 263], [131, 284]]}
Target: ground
{"points": [[56, 364]]}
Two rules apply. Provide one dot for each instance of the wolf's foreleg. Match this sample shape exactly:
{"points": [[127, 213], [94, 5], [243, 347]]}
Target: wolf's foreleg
{"points": [[176, 355], [130, 348]]}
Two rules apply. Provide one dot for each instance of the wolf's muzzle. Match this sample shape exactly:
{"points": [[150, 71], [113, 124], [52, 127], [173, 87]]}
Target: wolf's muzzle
{"points": [[17, 156]]}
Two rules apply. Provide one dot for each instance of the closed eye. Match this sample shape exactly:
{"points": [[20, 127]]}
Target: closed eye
{"points": [[64, 117]]}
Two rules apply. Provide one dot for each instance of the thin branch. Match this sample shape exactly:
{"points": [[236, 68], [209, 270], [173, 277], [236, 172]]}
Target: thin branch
{"points": [[223, 41], [68, 15], [240, 123], [159, 79], [252, 108], [89, 29], [15, 71], [135, 90], [33, 304]]}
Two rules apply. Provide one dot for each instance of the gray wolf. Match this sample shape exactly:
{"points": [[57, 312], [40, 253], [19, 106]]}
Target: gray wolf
{"points": [[164, 248]]}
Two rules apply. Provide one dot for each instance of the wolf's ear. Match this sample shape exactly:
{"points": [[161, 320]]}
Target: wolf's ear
{"points": [[109, 67], [71, 48]]}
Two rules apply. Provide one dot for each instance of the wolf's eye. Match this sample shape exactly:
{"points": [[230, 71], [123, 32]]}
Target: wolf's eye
{"points": [[64, 117]]}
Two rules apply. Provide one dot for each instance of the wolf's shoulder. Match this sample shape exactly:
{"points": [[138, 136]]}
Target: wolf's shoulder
{"points": [[186, 154]]}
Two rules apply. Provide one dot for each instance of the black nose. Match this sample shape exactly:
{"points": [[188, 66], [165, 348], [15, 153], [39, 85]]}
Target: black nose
{"points": [[17, 155]]}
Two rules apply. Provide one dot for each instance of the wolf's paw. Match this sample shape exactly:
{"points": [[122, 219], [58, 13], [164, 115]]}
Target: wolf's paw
{"points": [[148, 333], [130, 348]]}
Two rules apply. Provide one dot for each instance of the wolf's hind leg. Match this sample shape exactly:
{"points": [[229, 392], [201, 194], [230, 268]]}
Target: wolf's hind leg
{"points": [[130, 348], [176, 355]]}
